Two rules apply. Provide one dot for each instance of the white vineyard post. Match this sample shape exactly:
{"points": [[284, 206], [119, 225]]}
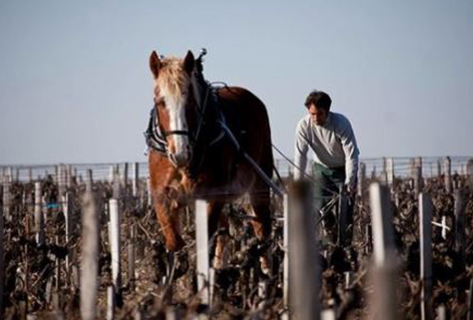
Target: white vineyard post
{"points": [[304, 271], [115, 244], [38, 214], [383, 299], [447, 171], [90, 258], [136, 179], [67, 205], [425, 225], [202, 247], [390, 171]]}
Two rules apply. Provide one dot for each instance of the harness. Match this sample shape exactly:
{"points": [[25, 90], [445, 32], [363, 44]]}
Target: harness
{"points": [[155, 136]]}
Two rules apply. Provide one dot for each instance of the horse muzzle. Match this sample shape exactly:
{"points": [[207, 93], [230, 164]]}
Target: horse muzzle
{"points": [[180, 152]]}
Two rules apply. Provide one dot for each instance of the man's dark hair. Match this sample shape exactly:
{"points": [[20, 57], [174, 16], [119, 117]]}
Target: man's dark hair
{"points": [[319, 99]]}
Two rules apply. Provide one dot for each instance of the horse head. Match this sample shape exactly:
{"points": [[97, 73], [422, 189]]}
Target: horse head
{"points": [[174, 96]]}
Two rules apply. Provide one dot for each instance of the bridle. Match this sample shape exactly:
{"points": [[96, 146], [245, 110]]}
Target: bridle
{"points": [[204, 94]]}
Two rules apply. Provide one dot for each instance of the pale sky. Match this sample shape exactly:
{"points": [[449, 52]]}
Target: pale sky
{"points": [[75, 85]]}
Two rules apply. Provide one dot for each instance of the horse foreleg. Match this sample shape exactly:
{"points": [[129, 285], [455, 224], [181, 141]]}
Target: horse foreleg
{"points": [[170, 226], [216, 219], [260, 201], [262, 221]]}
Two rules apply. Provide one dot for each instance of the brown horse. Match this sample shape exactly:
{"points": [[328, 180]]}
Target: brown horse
{"points": [[200, 140]]}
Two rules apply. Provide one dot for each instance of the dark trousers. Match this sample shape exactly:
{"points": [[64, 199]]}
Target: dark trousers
{"points": [[328, 185]]}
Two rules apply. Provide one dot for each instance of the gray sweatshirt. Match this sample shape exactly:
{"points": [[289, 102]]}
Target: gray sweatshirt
{"points": [[334, 145]]}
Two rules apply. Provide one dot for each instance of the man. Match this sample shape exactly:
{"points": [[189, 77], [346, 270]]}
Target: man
{"points": [[331, 138]]}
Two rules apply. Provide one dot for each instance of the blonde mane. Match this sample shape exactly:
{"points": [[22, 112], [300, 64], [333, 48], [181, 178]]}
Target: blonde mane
{"points": [[172, 77]]}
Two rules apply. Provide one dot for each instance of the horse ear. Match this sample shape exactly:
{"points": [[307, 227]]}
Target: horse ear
{"points": [[189, 62], [154, 63]]}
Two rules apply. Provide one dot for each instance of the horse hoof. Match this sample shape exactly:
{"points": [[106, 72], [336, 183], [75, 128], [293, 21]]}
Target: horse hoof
{"points": [[265, 265], [219, 263]]}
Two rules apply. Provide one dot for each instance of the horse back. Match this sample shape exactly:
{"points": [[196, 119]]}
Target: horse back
{"points": [[247, 117]]}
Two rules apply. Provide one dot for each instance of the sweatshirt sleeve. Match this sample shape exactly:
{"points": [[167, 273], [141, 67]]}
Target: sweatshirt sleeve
{"points": [[350, 148], [301, 146]]}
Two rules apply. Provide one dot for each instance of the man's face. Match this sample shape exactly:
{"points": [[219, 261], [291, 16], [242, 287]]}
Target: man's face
{"points": [[318, 115]]}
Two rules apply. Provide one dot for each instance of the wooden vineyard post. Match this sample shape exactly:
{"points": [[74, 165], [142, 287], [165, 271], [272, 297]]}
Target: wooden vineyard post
{"points": [[61, 179], [460, 205], [383, 300], [111, 174], [67, 205], [131, 257], [470, 302], [418, 185], [286, 252], [136, 179], [125, 176], [447, 171], [89, 180], [304, 272], [384, 173], [418, 162], [7, 180], [361, 180], [135, 187], [115, 246], [38, 214], [425, 225], [412, 165], [342, 218], [204, 285], [69, 176], [373, 173], [116, 185], [57, 298], [417, 176], [469, 173], [90, 258], [150, 192], [439, 168], [390, 171], [2, 281]]}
